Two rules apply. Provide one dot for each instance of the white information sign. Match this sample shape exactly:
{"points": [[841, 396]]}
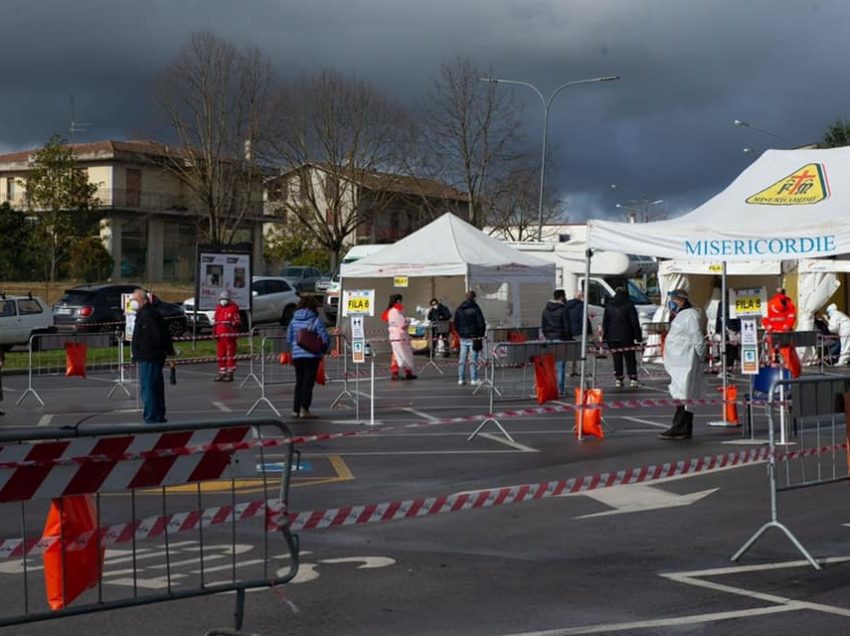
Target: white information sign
{"points": [[749, 346], [358, 332], [129, 316], [220, 271]]}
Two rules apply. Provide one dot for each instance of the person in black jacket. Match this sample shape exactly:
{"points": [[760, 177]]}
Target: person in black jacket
{"points": [[575, 310], [621, 329], [150, 346], [470, 325], [440, 317], [555, 325]]}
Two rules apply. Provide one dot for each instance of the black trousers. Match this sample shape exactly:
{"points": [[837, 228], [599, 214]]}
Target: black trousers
{"points": [[619, 356], [305, 380]]}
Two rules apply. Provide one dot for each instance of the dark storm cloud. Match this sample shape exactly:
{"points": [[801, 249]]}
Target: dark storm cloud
{"points": [[663, 131]]}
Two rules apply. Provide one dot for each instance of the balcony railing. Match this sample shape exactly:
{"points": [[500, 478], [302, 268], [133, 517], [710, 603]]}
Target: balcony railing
{"points": [[141, 200]]}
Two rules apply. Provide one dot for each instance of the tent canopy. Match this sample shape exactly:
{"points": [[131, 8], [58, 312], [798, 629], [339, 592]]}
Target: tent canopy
{"points": [[788, 205], [448, 257], [449, 246]]}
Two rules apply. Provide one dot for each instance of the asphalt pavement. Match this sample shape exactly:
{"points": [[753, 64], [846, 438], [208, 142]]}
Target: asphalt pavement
{"points": [[647, 558]]}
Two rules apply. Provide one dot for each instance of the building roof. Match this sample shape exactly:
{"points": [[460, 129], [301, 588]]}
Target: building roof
{"points": [[97, 151], [391, 182]]}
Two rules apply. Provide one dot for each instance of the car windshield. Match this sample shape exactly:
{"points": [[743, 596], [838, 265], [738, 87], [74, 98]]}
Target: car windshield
{"points": [[292, 271], [76, 297], [637, 296]]}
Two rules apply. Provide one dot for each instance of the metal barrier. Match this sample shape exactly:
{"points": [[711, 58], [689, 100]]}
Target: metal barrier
{"points": [[274, 343], [817, 416], [513, 334], [105, 352], [511, 365], [168, 515]]}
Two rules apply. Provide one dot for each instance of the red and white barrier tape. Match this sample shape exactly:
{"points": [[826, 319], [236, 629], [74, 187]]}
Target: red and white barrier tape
{"points": [[393, 510], [231, 447]]}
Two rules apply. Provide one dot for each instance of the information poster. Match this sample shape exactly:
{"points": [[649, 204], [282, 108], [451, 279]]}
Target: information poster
{"points": [[749, 346], [129, 316], [220, 271]]}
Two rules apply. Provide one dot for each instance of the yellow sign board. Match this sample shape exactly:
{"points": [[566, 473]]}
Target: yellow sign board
{"points": [[400, 281], [803, 187], [358, 302], [748, 302]]}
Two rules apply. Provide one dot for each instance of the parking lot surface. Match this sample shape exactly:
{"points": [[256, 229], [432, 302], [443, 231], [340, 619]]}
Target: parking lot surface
{"points": [[646, 558]]}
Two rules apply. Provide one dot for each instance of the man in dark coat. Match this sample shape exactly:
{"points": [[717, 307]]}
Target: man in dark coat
{"points": [[621, 329], [440, 318], [150, 346], [555, 325], [471, 327]]}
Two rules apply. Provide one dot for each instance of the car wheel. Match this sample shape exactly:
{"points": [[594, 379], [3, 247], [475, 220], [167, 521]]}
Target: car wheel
{"points": [[288, 313]]}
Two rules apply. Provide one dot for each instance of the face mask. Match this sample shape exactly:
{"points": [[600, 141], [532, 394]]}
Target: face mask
{"points": [[672, 306], [134, 305], [223, 302]]}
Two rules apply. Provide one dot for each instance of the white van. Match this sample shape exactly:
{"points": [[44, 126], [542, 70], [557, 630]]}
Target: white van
{"points": [[330, 304], [608, 270]]}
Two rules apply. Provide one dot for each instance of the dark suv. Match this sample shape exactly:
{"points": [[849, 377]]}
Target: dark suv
{"points": [[98, 308]]}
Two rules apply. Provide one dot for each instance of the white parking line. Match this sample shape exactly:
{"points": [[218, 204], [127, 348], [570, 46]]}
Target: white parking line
{"points": [[642, 421], [507, 442], [221, 406], [421, 414], [45, 419]]}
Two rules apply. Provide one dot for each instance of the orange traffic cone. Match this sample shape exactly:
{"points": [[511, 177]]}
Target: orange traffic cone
{"points": [[730, 405], [74, 562]]}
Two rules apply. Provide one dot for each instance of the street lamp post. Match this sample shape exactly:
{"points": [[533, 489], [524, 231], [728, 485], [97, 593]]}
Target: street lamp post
{"points": [[546, 104], [738, 124]]}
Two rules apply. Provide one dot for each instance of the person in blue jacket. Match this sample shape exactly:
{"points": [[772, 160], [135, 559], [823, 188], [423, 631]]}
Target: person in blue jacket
{"points": [[306, 362]]}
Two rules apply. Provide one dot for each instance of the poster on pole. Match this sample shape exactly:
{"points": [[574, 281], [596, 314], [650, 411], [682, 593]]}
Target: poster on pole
{"points": [[129, 316], [220, 269], [749, 347]]}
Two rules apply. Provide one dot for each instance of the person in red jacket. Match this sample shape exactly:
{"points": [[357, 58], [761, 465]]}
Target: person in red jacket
{"points": [[781, 313], [227, 323]]}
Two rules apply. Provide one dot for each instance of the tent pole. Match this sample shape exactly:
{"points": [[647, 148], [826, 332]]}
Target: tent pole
{"points": [[723, 336], [584, 335]]}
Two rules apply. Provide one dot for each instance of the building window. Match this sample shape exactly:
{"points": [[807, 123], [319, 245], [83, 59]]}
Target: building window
{"points": [[10, 189], [134, 188]]}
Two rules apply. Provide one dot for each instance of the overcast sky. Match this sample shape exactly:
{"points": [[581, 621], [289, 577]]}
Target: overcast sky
{"points": [[688, 67]]}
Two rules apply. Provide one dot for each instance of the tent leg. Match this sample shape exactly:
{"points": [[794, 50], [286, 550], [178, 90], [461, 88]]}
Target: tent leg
{"points": [[723, 335], [588, 254]]}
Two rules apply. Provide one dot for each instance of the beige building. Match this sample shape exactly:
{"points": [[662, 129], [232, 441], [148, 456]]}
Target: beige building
{"points": [[391, 206], [150, 223]]}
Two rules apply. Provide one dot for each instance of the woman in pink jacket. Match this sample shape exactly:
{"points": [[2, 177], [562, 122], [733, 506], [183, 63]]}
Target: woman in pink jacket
{"points": [[399, 338]]}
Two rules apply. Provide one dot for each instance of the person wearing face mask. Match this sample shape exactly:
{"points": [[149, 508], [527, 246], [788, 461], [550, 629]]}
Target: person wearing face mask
{"points": [[684, 348], [226, 325], [839, 323], [439, 316], [150, 346]]}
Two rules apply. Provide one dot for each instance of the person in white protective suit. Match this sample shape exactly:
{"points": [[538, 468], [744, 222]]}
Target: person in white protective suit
{"points": [[839, 322], [684, 349]]}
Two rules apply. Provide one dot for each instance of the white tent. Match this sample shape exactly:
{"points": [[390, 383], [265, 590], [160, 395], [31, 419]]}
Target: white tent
{"points": [[787, 205], [447, 257]]}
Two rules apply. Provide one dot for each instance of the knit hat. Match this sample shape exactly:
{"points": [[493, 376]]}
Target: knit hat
{"points": [[225, 295]]}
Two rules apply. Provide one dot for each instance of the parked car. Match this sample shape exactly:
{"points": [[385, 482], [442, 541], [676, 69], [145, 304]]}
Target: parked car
{"points": [[98, 308], [22, 317], [324, 282], [330, 302], [301, 278], [274, 300]]}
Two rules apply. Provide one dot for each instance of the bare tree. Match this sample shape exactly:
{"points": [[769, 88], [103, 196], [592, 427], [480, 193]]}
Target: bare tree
{"points": [[471, 134], [216, 99], [336, 137], [514, 214]]}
